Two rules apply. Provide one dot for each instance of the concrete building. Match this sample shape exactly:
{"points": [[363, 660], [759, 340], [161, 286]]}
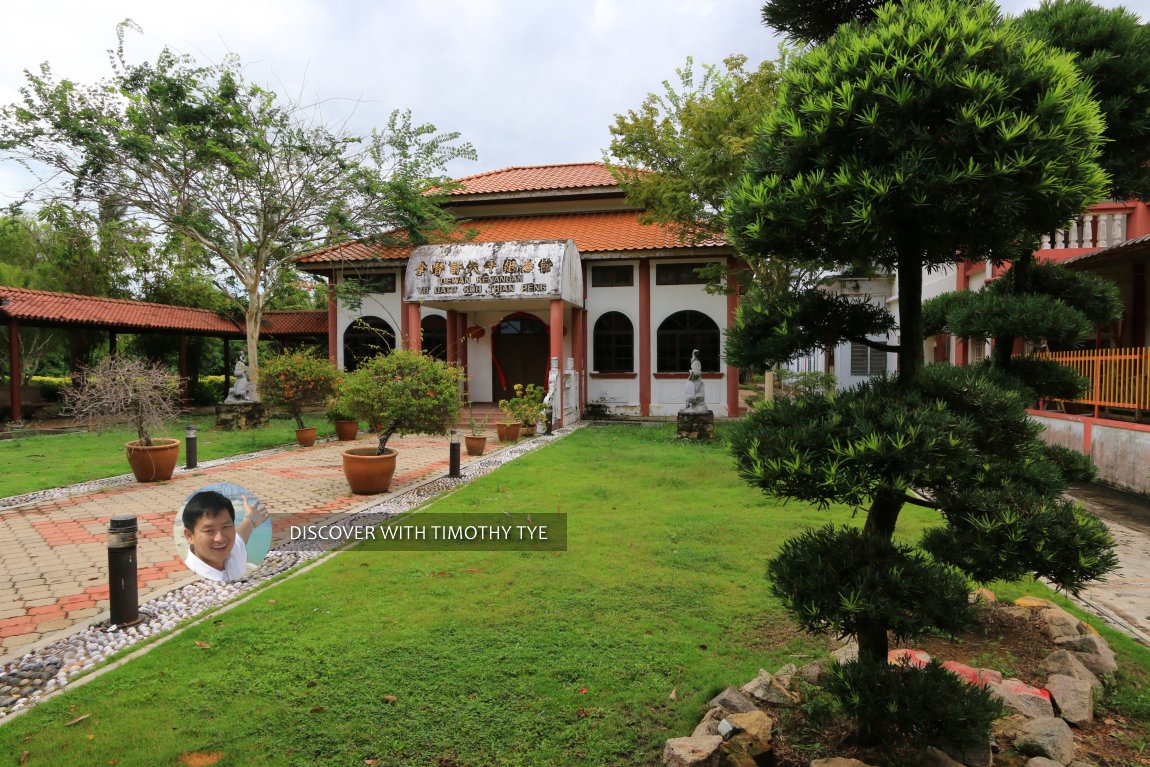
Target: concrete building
{"points": [[553, 280]]}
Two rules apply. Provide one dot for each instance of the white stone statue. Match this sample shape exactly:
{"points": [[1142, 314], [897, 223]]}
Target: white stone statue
{"points": [[241, 390], [696, 396]]}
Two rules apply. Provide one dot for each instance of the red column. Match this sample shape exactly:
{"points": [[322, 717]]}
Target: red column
{"points": [[644, 336], [1138, 224], [15, 369], [732, 371], [332, 323], [184, 369], [577, 347], [414, 341], [557, 353], [583, 377]]}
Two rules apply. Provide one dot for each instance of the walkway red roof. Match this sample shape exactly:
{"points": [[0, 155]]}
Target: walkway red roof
{"points": [[592, 232], [41, 307], [534, 178]]}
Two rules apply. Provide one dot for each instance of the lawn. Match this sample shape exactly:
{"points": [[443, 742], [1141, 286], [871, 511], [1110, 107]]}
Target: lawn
{"points": [[593, 656], [37, 463]]}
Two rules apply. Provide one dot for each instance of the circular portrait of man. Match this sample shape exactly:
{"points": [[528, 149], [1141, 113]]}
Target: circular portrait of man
{"points": [[223, 531]]}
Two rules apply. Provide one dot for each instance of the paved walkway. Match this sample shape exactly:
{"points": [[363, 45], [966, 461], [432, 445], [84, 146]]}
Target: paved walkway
{"points": [[1124, 597], [53, 553]]}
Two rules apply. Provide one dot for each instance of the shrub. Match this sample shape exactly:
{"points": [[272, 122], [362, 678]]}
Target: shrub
{"points": [[926, 706], [406, 392], [120, 390], [527, 404], [207, 390], [295, 379]]}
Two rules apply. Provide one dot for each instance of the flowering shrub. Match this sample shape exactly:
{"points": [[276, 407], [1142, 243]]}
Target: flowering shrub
{"points": [[404, 391], [527, 404], [295, 379]]}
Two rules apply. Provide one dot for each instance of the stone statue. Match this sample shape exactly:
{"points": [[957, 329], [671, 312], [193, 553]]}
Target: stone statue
{"points": [[696, 397], [241, 390]]}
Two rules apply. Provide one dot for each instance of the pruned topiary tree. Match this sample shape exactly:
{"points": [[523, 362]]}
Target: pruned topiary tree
{"points": [[936, 133]]}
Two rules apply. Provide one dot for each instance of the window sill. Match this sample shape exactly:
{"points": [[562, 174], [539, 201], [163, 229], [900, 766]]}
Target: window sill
{"points": [[685, 376], [614, 375]]}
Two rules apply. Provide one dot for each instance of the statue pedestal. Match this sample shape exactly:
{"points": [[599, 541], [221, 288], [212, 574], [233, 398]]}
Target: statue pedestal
{"points": [[241, 415], [696, 425]]}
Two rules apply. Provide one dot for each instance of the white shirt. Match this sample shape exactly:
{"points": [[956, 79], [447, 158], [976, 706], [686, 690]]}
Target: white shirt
{"points": [[235, 567]]}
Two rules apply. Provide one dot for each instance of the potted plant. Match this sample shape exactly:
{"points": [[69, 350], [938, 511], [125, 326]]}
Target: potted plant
{"points": [[523, 408], [406, 392], [293, 380], [119, 390], [477, 439], [346, 425]]}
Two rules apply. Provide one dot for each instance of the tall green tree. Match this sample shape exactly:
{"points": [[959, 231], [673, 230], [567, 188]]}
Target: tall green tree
{"points": [[253, 179], [814, 22], [677, 154], [936, 133], [1046, 302]]}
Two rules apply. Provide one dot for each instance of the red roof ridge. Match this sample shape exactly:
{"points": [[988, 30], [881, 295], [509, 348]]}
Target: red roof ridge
{"points": [[106, 299]]}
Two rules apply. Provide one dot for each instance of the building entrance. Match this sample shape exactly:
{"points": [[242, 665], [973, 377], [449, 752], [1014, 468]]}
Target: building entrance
{"points": [[520, 354]]}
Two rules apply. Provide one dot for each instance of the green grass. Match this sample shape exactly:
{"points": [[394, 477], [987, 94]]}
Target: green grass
{"points": [[468, 659], [37, 463]]}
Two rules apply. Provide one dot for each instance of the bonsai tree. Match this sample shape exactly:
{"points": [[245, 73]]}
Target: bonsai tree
{"points": [[406, 392], [295, 379], [124, 390], [934, 134]]}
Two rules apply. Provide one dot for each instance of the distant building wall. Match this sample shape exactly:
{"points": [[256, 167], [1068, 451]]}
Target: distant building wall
{"points": [[1121, 451]]}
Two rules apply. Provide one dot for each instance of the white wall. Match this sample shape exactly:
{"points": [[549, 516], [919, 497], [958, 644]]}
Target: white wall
{"points": [[619, 395]]}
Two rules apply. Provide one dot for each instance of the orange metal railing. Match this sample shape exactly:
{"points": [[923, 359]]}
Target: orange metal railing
{"points": [[1119, 378]]}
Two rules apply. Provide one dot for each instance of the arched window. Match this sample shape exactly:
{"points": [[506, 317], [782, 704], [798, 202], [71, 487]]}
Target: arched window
{"points": [[614, 344], [364, 339], [682, 332], [434, 342]]}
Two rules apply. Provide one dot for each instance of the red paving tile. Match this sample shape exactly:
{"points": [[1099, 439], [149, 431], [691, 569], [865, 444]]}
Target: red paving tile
{"points": [[307, 483]]}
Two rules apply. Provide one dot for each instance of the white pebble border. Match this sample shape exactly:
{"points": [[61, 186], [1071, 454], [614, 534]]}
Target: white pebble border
{"points": [[33, 677]]}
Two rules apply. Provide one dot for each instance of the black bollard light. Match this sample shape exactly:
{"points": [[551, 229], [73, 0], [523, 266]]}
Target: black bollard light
{"points": [[190, 446], [123, 594], [453, 461]]}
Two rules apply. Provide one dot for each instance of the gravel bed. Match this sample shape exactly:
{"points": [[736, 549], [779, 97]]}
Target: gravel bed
{"points": [[26, 681]]}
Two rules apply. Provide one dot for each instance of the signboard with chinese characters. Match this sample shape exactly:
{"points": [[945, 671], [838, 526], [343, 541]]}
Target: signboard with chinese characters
{"points": [[484, 271]]}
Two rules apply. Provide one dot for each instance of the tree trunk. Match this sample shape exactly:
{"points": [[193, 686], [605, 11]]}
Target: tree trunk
{"points": [[252, 317], [911, 359]]}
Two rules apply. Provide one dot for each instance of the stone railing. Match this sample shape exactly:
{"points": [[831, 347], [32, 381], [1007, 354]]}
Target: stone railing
{"points": [[1090, 230]]}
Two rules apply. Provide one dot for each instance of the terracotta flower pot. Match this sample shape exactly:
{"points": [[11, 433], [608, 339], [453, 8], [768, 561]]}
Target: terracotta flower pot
{"points": [[153, 463], [366, 472], [476, 443], [305, 437], [346, 431], [507, 432]]}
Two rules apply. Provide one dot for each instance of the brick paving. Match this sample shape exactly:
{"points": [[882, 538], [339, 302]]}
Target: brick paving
{"points": [[53, 555]]}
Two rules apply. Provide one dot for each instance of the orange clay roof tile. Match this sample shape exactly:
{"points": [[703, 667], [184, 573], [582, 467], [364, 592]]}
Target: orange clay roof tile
{"points": [[592, 232], [532, 178], [47, 307]]}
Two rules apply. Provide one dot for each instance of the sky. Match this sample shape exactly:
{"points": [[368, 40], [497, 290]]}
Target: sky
{"points": [[527, 82]]}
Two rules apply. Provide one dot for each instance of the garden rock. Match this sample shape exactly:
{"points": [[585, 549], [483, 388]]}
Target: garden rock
{"points": [[1015, 611], [983, 595], [1029, 601], [979, 677], [815, 673], [847, 653], [709, 724], [981, 755], [732, 701], [1074, 698], [1059, 623], [1008, 727], [1066, 663], [692, 752], [1050, 737], [838, 761], [784, 675], [1093, 651], [766, 689], [1021, 697], [745, 751], [1042, 761], [756, 724], [932, 757]]}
